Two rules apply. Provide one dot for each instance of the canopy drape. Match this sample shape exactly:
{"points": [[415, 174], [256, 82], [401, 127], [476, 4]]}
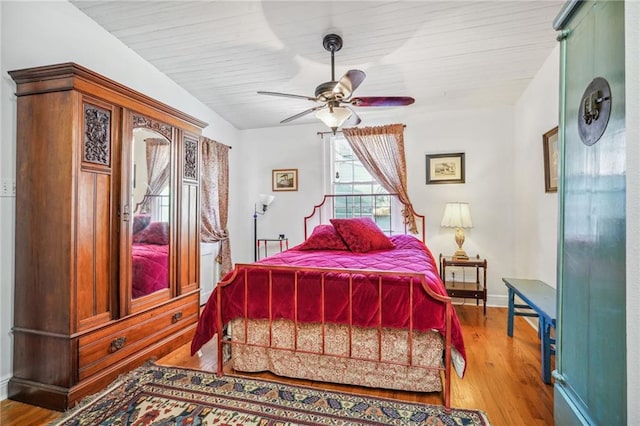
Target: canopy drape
{"points": [[215, 199], [381, 151], [158, 153]]}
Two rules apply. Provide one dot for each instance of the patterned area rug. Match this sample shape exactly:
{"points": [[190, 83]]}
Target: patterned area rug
{"points": [[157, 395]]}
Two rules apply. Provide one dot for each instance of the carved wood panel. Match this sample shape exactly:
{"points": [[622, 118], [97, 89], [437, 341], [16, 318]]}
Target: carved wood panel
{"points": [[190, 158], [97, 135], [162, 128]]}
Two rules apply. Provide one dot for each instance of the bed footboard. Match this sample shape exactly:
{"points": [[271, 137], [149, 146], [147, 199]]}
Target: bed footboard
{"points": [[314, 296]]}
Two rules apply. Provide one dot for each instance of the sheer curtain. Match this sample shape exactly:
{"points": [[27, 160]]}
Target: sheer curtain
{"points": [[381, 151], [158, 156], [215, 199]]}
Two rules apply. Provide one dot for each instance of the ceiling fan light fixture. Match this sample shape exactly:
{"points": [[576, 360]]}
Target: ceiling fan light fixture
{"points": [[342, 90], [333, 117], [338, 92]]}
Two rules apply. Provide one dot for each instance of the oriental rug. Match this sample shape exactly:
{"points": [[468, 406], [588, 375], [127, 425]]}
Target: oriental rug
{"points": [[158, 395]]}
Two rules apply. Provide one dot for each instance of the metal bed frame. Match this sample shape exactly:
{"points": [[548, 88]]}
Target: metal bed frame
{"points": [[321, 274]]}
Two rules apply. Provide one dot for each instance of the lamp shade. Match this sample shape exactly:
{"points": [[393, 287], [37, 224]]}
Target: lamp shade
{"points": [[457, 215], [265, 199], [333, 117]]}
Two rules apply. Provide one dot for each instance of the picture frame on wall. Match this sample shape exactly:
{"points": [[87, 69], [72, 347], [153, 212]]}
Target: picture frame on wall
{"points": [[445, 168], [284, 180], [551, 158]]}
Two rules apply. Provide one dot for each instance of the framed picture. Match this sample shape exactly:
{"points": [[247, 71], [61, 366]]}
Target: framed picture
{"points": [[445, 168], [284, 180], [550, 150]]}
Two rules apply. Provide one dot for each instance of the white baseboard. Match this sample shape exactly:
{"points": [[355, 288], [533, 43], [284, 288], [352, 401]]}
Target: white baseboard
{"points": [[497, 301], [4, 384]]}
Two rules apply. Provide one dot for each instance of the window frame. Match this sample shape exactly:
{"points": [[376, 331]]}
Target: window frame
{"points": [[378, 208]]}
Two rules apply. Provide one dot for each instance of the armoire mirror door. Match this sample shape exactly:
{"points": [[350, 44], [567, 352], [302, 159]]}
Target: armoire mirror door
{"points": [[150, 201]]}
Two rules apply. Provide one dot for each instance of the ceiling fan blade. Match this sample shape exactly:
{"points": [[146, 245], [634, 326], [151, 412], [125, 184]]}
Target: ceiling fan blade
{"points": [[382, 101], [349, 83], [286, 95], [354, 119], [301, 114]]}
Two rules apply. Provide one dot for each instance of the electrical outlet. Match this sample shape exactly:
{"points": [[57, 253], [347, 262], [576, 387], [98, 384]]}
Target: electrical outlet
{"points": [[7, 188]]}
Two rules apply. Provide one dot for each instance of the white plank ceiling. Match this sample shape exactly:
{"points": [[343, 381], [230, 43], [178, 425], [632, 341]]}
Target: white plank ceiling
{"points": [[445, 54]]}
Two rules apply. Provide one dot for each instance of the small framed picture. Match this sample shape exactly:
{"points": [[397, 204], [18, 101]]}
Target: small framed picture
{"points": [[284, 180], [550, 150], [445, 168]]}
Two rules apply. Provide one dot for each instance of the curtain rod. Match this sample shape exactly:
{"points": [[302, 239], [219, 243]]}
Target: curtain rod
{"points": [[340, 131], [213, 140]]}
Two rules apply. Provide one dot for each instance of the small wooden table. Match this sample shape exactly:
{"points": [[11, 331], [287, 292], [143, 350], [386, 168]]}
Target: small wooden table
{"points": [[284, 244], [461, 288], [541, 299]]}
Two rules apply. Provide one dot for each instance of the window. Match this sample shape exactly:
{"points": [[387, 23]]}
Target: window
{"points": [[164, 204], [349, 177]]}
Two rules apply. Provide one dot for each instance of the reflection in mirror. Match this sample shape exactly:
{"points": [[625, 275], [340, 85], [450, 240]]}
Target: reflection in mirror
{"points": [[150, 196]]}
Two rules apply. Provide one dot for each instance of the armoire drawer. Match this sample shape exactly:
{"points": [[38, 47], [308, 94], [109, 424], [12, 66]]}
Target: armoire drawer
{"points": [[106, 346]]}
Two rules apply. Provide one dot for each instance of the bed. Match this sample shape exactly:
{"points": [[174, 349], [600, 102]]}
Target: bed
{"points": [[150, 256], [374, 316]]}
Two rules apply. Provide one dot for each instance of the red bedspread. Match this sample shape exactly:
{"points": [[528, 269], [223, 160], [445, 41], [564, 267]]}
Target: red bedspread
{"points": [[410, 255], [150, 268]]}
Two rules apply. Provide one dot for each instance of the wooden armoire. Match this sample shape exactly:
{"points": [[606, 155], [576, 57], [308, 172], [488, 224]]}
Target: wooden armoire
{"points": [[86, 184]]}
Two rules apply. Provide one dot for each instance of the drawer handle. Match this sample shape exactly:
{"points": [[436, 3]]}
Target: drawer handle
{"points": [[176, 317], [117, 344]]}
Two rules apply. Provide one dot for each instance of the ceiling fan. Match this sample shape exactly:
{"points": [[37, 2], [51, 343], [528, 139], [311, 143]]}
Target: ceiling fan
{"points": [[336, 96]]}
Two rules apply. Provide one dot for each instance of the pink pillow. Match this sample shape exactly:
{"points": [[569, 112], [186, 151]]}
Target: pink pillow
{"points": [[362, 234], [323, 237], [155, 233]]}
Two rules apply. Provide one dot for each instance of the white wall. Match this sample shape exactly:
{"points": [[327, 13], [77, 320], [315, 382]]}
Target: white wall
{"points": [[44, 33], [632, 58], [535, 212], [486, 138], [290, 147]]}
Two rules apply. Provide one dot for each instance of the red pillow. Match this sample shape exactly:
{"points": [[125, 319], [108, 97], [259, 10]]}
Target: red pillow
{"points": [[140, 221], [155, 233], [362, 234], [323, 237]]}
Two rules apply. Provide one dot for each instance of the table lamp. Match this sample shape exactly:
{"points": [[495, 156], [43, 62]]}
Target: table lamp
{"points": [[457, 215]]}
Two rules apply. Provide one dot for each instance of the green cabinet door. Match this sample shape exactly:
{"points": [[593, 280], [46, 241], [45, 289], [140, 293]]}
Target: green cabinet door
{"points": [[590, 385]]}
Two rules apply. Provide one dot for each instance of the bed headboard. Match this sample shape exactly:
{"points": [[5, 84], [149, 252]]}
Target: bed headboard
{"points": [[384, 209]]}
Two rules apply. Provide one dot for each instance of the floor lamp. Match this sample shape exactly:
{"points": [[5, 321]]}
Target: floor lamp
{"points": [[263, 201]]}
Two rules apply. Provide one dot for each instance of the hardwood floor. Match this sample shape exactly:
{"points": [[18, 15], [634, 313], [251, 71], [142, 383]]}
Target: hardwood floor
{"points": [[502, 377]]}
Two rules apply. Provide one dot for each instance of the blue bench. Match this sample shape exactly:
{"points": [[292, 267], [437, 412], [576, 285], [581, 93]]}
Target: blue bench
{"points": [[540, 299]]}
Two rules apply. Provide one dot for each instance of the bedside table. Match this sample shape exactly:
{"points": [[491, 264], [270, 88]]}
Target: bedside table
{"points": [[458, 287], [283, 243]]}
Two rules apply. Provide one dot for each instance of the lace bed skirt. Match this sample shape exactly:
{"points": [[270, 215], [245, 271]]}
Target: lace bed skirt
{"points": [[331, 367]]}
